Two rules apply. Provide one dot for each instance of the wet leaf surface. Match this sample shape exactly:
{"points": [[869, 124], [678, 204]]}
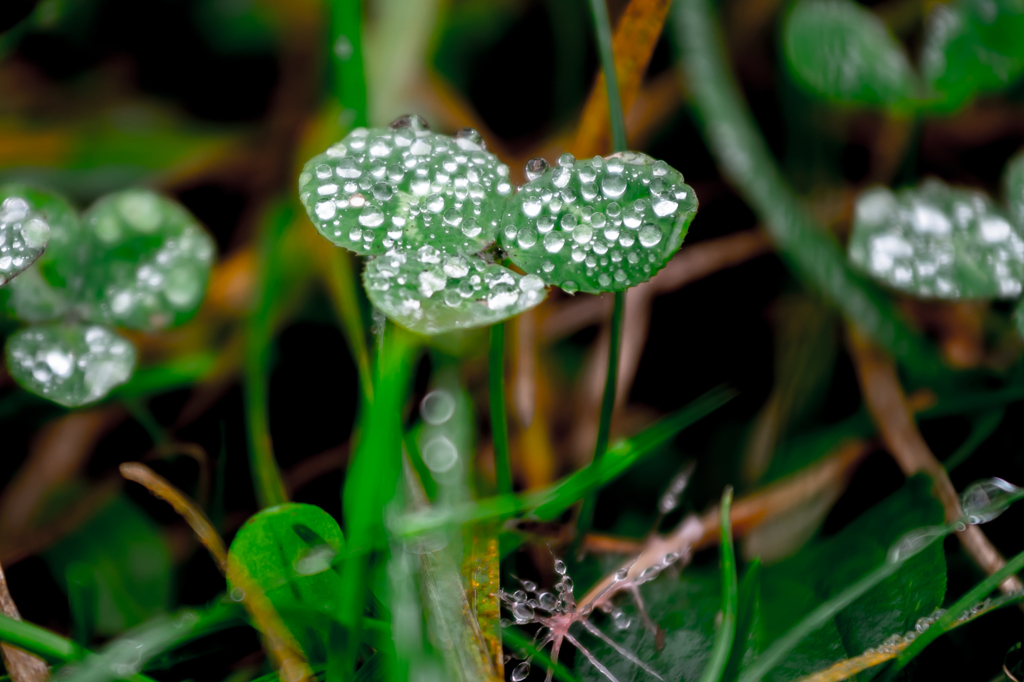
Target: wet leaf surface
{"points": [[25, 218]]}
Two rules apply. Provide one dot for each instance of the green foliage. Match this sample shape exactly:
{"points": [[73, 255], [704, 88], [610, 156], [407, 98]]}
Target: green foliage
{"points": [[971, 47], [1013, 188], [288, 552], [136, 260], [842, 52], [937, 241], [26, 216], [601, 224], [129, 562]]}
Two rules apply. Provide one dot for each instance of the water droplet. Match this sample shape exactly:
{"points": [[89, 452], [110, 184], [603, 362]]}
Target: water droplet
{"points": [[621, 620], [412, 121], [553, 242], [582, 233], [371, 216], [559, 567], [469, 139], [531, 283], [527, 237], [985, 500], [519, 596], [649, 235], [569, 286], [913, 542], [532, 206], [536, 167], [663, 206], [343, 49], [470, 228], [613, 186], [621, 574], [440, 454], [523, 612], [521, 672], [547, 601], [649, 573], [326, 209], [437, 407], [615, 166], [382, 191], [566, 160]]}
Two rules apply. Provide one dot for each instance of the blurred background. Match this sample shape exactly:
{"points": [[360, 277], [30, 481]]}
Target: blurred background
{"points": [[219, 102]]}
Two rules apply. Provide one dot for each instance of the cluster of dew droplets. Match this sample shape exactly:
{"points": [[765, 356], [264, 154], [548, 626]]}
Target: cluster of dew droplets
{"points": [[578, 205], [557, 611], [23, 235]]}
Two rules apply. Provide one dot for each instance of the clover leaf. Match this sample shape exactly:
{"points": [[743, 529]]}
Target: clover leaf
{"points": [[597, 225], [937, 241], [136, 260], [844, 53], [384, 188], [27, 217], [71, 364]]}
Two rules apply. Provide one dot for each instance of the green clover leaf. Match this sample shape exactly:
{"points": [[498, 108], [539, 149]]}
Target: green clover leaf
{"points": [[27, 218]]}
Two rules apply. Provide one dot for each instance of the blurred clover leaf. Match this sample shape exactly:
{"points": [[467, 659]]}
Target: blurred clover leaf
{"points": [[601, 224], [842, 52], [26, 216], [972, 47], [936, 241], [426, 210], [288, 551], [135, 260]]}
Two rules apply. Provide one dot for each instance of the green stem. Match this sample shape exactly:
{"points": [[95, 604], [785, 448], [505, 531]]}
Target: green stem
{"points": [[266, 476], [603, 32], [586, 516], [499, 418], [730, 598], [745, 160], [49, 645], [781, 647], [946, 622], [349, 75]]}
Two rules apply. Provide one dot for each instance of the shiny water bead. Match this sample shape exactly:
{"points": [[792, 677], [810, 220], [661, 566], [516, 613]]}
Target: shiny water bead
{"points": [[536, 167], [628, 215], [25, 218], [70, 364], [431, 292], [936, 241], [147, 261], [402, 186]]}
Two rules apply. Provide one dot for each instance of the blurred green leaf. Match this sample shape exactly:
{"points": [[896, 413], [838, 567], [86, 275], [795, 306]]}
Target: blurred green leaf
{"points": [[936, 241], [130, 564], [601, 224], [25, 217], [71, 364], [288, 552], [971, 47], [842, 52], [1013, 188], [404, 187], [147, 261], [430, 293]]}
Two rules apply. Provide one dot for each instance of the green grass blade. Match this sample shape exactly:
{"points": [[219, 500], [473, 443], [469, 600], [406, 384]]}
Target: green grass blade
{"points": [[259, 334], [499, 416], [744, 157], [349, 75], [603, 33], [946, 622], [39, 641], [730, 599], [781, 647], [748, 612]]}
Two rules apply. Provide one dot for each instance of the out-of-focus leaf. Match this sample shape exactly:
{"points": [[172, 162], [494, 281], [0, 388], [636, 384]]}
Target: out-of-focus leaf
{"points": [[25, 217], [937, 241], [971, 47], [287, 551], [70, 364], [147, 261], [404, 187], [1013, 188], [430, 293], [601, 224], [130, 562], [842, 52]]}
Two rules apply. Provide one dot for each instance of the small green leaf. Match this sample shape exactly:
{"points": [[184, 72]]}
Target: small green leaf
{"points": [[405, 186], [129, 561], [937, 241], [25, 217], [148, 261], [288, 552], [842, 52], [972, 47], [601, 224], [428, 292], [1013, 188], [70, 364]]}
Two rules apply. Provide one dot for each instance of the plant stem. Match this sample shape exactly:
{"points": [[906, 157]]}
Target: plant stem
{"points": [[945, 623], [349, 76], [730, 598], [603, 32], [499, 419]]}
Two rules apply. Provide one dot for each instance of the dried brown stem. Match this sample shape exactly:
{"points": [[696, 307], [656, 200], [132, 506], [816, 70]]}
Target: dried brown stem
{"points": [[21, 665], [887, 404]]}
